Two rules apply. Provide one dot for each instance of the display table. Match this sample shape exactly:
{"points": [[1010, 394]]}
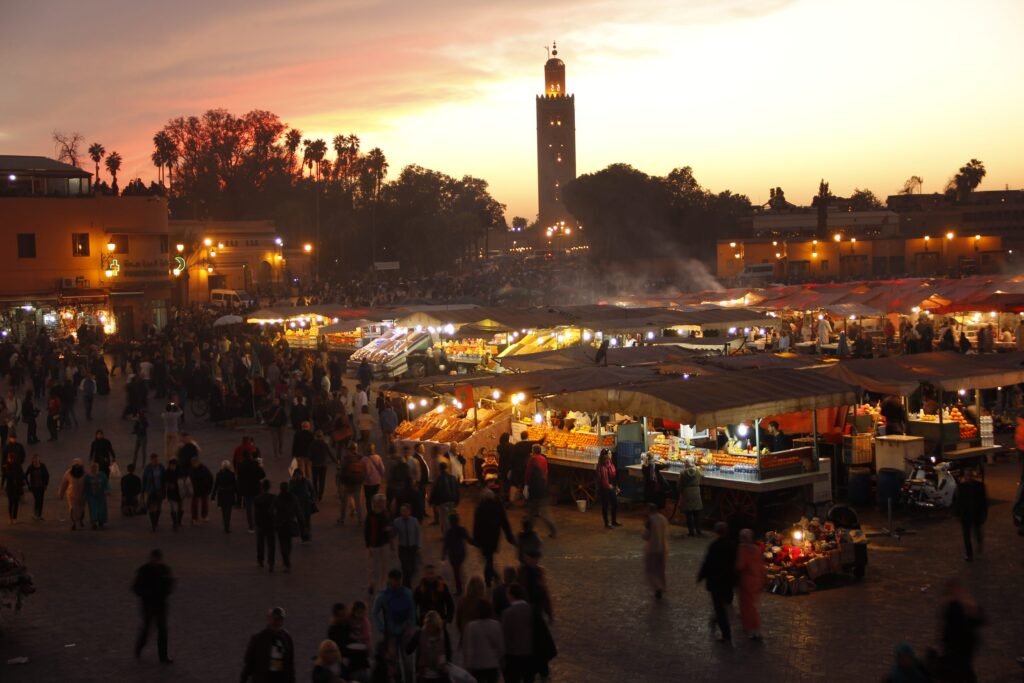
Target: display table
{"points": [[972, 457], [734, 496], [893, 451]]}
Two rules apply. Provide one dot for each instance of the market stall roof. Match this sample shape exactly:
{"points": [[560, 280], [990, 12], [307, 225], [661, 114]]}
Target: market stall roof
{"points": [[754, 361], [345, 326], [292, 312], [847, 309], [902, 375], [583, 357], [711, 401], [534, 384], [719, 318]]}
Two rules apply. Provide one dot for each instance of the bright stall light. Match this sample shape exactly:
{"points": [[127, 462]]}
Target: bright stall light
{"points": [[410, 405], [538, 418], [423, 403], [495, 394], [742, 429], [613, 342], [587, 336], [449, 329], [650, 335]]}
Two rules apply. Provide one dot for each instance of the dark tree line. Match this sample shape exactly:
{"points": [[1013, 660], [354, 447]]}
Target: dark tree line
{"points": [[627, 214], [226, 167]]}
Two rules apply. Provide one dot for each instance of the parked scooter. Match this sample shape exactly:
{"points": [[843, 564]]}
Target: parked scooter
{"points": [[930, 484]]}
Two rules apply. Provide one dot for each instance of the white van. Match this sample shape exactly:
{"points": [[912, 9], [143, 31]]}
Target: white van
{"points": [[757, 273], [230, 298]]}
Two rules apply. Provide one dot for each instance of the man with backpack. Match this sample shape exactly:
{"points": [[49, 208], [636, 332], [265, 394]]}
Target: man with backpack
{"points": [[351, 476], [536, 489]]}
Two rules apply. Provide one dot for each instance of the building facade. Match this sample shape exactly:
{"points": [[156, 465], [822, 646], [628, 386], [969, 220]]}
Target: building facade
{"points": [[556, 149], [72, 257], [847, 257], [246, 256]]}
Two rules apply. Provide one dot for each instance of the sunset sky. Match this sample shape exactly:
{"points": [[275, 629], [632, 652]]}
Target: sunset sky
{"points": [[750, 93]]}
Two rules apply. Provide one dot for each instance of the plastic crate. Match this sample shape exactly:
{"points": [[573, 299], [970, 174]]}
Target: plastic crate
{"points": [[861, 450]]}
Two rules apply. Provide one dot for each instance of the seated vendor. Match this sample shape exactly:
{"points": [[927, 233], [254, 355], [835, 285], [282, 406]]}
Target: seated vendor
{"points": [[777, 440]]}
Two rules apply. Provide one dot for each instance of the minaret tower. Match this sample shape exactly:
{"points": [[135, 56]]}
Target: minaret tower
{"points": [[556, 148]]}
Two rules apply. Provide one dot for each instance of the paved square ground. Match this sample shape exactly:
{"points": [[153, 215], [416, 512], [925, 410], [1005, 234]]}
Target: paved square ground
{"points": [[81, 624]]}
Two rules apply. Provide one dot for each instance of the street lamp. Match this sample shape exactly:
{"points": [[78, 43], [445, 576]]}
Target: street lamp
{"points": [[307, 247], [111, 268], [207, 242], [180, 247]]}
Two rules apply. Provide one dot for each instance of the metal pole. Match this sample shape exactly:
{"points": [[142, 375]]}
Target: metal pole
{"points": [[942, 440], [814, 433]]}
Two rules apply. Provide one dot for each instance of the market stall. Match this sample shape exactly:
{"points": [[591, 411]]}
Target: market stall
{"points": [[725, 411], [945, 383], [810, 551], [394, 353]]}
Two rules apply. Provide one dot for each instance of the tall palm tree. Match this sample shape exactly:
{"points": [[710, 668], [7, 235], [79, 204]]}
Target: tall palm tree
{"points": [[347, 163], [318, 150], [374, 168], [292, 140], [165, 154], [96, 153], [307, 159], [114, 165]]}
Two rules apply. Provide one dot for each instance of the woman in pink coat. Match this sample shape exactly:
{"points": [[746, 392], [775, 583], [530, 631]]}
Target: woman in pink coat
{"points": [[751, 572]]}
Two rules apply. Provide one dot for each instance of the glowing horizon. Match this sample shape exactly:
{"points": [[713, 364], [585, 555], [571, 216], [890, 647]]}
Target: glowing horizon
{"points": [[752, 94]]}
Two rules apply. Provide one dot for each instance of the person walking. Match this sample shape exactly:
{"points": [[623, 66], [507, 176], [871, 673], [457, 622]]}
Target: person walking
{"points": [[751, 576], [377, 532], [608, 489], [517, 627], [718, 571], [690, 497], [29, 413], [277, 418], [202, 486], [88, 389], [319, 455], [72, 489], [131, 489], [490, 521], [655, 549], [394, 617], [432, 595], [153, 583], [175, 493], [537, 494], [53, 414], [445, 495], [154, 488], [140, 428], [250, 474], [373, 470], [37, 478], [172, 419], [351, 478], [409, 539], [288, 521], [270, 655], [432, 648], [12, 480], [453, 548], [972, 509], [483, 646], [225, 490], [305, 503], [266, 528], [302, 444], [97, 485], [101, 452], [961, 620]]}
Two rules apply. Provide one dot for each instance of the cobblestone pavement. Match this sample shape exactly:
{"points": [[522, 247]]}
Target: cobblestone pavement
{"points": [[81, 623]]}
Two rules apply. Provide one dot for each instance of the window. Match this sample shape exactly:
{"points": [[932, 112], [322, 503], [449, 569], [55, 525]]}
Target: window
{"points": [[163, 244], [80, 244], [26, 245], [824, 265]]}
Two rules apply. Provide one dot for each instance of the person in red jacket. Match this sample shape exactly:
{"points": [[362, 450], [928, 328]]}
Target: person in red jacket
{"points": [[537, 494]]}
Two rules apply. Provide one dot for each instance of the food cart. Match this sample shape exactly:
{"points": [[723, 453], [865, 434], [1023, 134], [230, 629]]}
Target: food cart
{"points": [[739, 477]]}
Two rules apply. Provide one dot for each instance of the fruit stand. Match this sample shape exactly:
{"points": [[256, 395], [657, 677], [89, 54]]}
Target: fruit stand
{"points": [[810, 551], [445, 426], [739, 478]]}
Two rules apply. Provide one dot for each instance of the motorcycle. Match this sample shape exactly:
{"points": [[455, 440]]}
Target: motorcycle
{"points": [[930, 485]]}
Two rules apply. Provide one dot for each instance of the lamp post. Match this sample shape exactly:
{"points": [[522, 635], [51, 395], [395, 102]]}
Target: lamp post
{"points": [[108, 263]]}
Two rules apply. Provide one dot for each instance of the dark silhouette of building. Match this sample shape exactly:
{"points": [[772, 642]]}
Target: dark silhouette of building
{"points": [[556, 149]]}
